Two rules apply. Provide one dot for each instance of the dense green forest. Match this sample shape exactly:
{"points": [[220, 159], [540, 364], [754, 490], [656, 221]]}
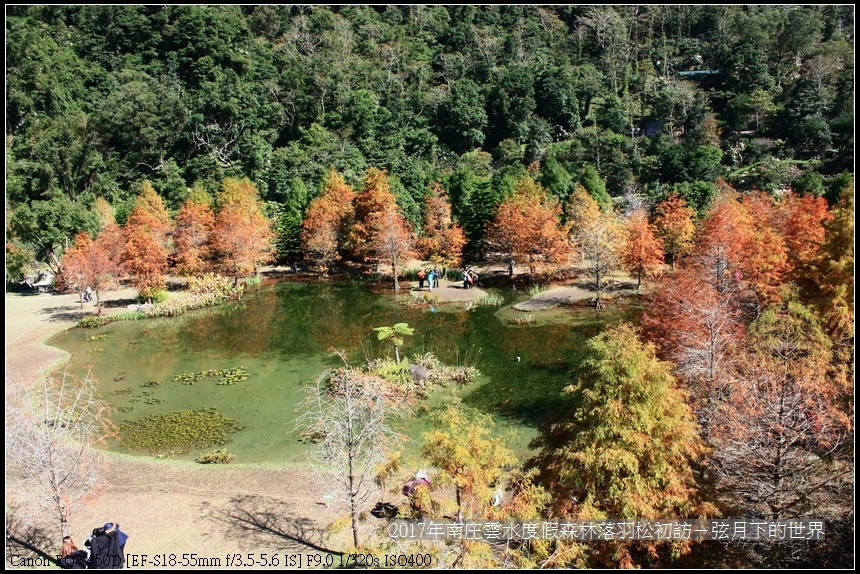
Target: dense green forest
{"points": [[644, 100], [713, 145]]}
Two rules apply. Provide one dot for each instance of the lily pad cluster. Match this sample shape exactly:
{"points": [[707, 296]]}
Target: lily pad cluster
{"points": [[227, 376], [178, 431]]}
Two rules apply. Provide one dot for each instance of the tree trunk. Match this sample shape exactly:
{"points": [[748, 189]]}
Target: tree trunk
{"points": [[394, 274]]}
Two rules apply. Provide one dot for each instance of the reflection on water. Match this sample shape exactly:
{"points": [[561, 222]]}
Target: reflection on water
{"points": [[282, 333]]}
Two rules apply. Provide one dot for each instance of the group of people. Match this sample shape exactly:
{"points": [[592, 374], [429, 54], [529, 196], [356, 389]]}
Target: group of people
{"points": [[432, 278], [469, 278], [104, 549]]}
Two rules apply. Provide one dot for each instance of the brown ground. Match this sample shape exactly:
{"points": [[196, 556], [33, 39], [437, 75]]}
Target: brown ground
{"points": [[173, 507]]}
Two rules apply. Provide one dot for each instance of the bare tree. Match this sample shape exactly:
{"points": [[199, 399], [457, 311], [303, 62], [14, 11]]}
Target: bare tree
{"points": [[349, 422], [599, 240], [54, 426]]}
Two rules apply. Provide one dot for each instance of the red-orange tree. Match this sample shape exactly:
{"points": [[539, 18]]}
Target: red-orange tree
{"points": [[144, 257], [696, 327], [801, 222], [675, 226], [328, 220], [724, 242], [527, 228], [242, 236], [766, 266], [87, 264], [443, 240], [642, 254], [145, 248], [191, 238], [392, 243], [777, 442], [371, 203]]}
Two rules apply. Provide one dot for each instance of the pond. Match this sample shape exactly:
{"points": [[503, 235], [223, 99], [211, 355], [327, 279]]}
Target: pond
{"points": [[282, 333]]}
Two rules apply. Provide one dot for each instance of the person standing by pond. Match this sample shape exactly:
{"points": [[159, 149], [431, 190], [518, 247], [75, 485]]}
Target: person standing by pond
{"points": [[431, 279], [421, 276], [436, 277]]}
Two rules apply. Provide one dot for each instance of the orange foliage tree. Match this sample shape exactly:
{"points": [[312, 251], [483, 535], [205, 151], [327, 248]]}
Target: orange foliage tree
{"points": [[328, 220], [191, 238], [724, 242], [87, 264], [443, 240], [371, 203], [145, 248], [527, 228], [675, 226], [145, 259], [766, 265], [392, 243], [801, 222], [696, 327], [777, 444], [242, 236], [642, 254]]}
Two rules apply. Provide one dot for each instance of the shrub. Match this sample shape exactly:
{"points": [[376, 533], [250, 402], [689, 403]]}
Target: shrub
{"points": [[213, 285], [156, 297], [218, 456], [92, 321]]}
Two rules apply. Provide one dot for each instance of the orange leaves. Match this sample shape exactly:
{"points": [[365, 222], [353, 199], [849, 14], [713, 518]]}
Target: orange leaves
{"points": [[527, 228], [371, 203], [145, 258], [642, 254], [675, 226], [327, 221], [443, 240], [194, 224], [241, 235], [392, 244]]}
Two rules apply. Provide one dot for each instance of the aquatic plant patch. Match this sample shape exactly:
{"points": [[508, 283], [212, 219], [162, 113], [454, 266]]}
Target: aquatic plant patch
{"points": [[225, 376], [177, 432]]}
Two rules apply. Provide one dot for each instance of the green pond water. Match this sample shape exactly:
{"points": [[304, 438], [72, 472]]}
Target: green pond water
{"points": [[282, 332]]}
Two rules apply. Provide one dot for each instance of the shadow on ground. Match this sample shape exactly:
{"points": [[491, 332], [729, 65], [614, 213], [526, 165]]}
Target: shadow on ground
{"points": [[251, 519], [25, 542]]}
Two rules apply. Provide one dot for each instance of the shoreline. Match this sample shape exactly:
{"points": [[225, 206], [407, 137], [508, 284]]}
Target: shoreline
{"points": [[166, 506], [174, 506]]}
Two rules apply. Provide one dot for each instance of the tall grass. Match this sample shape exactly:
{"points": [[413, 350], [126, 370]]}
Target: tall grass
{"points": [[490, 300], [537, 288]]}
